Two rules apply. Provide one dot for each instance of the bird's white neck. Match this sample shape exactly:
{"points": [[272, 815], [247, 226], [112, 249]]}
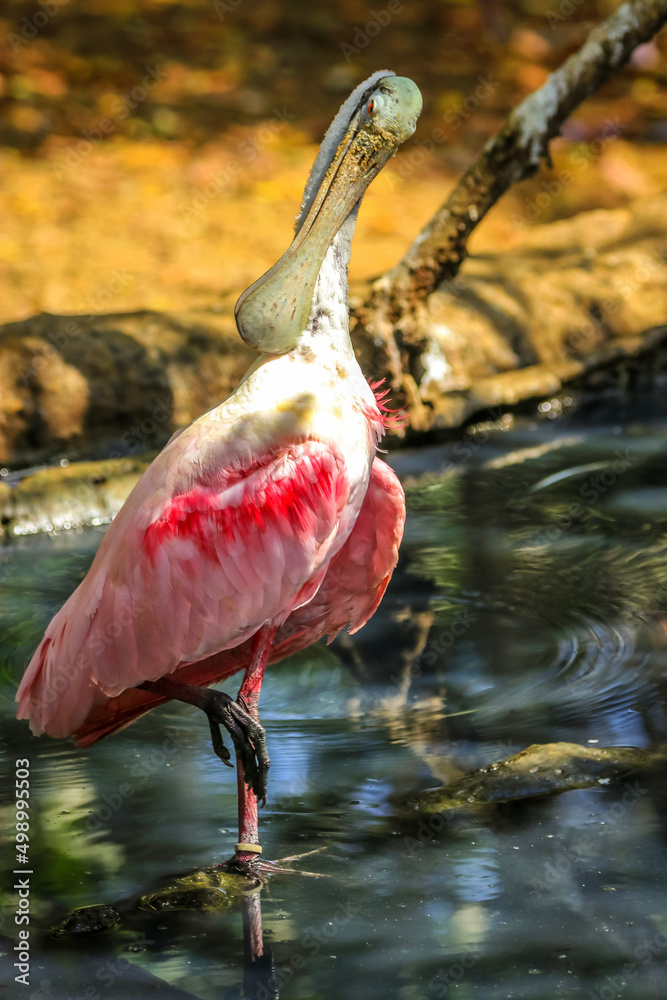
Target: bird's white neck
{"points": [[328, 330]]}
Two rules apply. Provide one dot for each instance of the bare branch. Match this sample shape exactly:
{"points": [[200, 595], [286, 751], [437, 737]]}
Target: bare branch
{"points": [[512, 156]]}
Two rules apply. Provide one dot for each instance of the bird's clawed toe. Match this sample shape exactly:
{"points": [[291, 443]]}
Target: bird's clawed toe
{"points": [[248, 737], [219, 747]]}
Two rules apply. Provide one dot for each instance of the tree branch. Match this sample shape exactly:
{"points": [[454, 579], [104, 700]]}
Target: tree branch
{"points": [[512, 156]]}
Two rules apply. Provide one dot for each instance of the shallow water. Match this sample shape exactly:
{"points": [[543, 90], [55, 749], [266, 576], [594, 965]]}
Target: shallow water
{"points": [[528, 608]]}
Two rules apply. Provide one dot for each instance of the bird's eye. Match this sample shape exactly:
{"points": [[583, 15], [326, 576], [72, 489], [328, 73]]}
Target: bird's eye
{"points": [[371, 107]]}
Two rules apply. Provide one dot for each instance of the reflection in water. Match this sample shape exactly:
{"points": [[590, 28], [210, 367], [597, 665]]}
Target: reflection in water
{"points": [[529, 607], [259, 974]]}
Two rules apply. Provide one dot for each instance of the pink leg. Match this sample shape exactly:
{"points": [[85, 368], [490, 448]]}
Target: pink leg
{"points": [[248, 696]]}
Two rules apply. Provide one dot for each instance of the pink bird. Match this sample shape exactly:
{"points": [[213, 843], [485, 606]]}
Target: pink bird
{"points": [[265, 524]]}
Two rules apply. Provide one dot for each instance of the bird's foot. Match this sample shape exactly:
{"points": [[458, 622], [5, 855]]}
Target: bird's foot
{"points": [[247, 735]]}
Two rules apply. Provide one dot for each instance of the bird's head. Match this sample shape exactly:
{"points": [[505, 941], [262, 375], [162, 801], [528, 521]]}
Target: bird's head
{"points": [[378, 116]]}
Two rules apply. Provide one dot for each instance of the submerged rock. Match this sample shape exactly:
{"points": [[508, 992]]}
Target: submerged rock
{"points": [[89, 920], [204, 890], [541, 769]]}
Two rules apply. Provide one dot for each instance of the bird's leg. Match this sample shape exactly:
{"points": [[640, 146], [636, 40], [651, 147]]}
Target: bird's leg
{"points": [[244, 728], [248, 697]]}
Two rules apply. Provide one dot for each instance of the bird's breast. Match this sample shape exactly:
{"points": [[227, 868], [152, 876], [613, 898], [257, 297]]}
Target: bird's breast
{"points": [[292, 398]]}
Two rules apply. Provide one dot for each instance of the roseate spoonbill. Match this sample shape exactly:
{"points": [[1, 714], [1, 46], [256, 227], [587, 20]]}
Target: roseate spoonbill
{"points": [[265, 524]]}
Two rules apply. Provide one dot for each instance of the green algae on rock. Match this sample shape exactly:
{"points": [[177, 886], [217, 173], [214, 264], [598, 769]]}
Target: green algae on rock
{"points": [[202, 890], [92, 919], [540, 769]]}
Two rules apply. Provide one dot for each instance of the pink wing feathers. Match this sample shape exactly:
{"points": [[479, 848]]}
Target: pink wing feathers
{"points": [[358, 575], [184, 576], [352, 588]]}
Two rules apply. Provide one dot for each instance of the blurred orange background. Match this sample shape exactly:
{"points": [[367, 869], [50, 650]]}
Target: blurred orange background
{"points": [[154, 153]]}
